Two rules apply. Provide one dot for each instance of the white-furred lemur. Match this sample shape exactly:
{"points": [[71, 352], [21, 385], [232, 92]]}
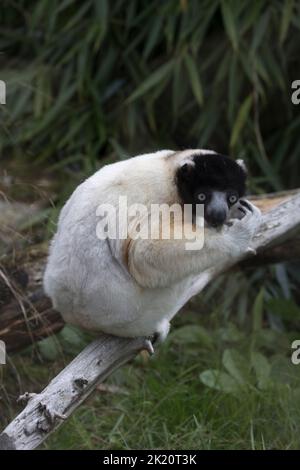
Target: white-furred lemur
{"points": [[132, 286]]}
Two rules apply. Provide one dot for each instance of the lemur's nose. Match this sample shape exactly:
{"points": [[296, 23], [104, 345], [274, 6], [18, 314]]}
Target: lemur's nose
{"points": [[217, 217]]}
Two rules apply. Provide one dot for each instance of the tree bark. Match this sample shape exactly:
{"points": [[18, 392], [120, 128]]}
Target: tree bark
{"points": [[46, 411]]}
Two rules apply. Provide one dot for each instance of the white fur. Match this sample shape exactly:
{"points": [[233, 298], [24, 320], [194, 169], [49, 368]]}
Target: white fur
{"points": [[89, 280], [242, 164]]}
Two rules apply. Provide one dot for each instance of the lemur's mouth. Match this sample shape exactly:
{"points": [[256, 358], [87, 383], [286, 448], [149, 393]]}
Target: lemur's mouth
{"points": [[216, 226], [216, 218]]}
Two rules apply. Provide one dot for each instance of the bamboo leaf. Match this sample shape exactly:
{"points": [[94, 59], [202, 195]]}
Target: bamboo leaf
{"points": [[160, 74], [286, 19], [258, 309], [241, 119], [229, 22], [233, 88], [154, 36], [259, 31], [194, 78]]}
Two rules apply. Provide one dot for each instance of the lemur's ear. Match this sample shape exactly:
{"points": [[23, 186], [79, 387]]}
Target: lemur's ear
{"points": [[242, 165], [186, 168]]}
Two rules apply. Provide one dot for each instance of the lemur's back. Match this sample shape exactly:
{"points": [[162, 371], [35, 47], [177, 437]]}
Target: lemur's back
{"points": [[87, 277]]}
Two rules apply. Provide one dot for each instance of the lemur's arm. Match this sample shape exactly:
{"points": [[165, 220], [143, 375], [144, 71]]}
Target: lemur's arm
{"points": [[159, 263]]}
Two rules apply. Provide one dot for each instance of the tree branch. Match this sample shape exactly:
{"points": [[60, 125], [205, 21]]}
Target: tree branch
{"points": [[47, 410]]}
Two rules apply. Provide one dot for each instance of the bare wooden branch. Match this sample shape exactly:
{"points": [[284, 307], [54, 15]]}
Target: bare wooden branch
{"points": [[46, 411], [279, 236], [280, 223]]}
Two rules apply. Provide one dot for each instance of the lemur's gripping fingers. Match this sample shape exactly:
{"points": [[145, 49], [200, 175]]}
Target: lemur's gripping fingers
{"points": [[148, 346], [246, 204], [252, 211], [243, 229], [244, 209], [241, 208]]}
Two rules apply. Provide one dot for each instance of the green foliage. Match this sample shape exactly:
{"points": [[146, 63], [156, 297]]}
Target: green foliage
{"points": [[91, 82], [70, 340], [248, 397]]}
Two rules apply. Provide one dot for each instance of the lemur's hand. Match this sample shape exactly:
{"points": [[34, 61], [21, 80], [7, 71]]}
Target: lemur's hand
{"points": [[244, 225]]}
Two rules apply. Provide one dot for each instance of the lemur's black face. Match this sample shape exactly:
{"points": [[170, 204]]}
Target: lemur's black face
{"points": [[214, 180]]}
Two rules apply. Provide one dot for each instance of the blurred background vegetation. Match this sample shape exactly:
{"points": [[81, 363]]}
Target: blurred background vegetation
{"points": [[92, 82]]}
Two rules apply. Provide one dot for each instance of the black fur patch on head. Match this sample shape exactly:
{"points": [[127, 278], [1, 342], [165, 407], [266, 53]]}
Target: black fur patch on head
{"points": [[214, 171]]}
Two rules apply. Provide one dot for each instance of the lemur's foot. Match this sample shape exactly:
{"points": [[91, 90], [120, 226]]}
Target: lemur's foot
{"points": [[240, 210], [246, 217], [148, 346], [158, 337], [242, 229], [161, 333], [251, 251]]}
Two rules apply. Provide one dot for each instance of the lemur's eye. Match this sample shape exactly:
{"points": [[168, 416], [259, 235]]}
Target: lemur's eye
{"points": [[233, 198], [202, 197]]}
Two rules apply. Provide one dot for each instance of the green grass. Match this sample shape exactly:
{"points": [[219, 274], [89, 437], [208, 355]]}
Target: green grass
{"points": [[167, 407]]}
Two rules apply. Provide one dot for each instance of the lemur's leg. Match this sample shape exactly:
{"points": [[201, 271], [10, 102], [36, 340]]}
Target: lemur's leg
{"points": [[148, 346], [161, 333], [158, 337]]}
